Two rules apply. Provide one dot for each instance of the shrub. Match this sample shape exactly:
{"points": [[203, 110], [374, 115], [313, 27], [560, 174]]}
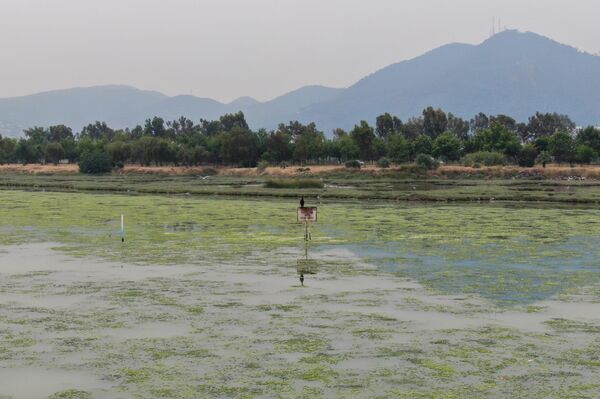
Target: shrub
{"points": [[427, 162], [95, 162], [383, 163], [294, 183], [410, 171], [262, 166], [585, 154], [484, 158], [527, 155], [209, 171], [353, 164]]}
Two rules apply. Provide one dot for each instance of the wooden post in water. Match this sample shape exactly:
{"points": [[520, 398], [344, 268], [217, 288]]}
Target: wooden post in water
{"points": [[306, 232], [307, 215]]}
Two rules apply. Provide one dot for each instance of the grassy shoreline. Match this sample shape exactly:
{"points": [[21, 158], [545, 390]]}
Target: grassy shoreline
{"points": [[338, 186]]}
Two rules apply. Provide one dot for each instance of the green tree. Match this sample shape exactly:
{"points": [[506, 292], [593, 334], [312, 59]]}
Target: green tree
{"points": [[509, 123], [585, 154], [562, 147], [458, 126], [279, 147], [210, 128], [435, 122], [97, 131], [198, 155], [479, 122], [85, 144], [541, 144], [155, 127], [239, 147], [59, 133], [422, 145], [543, 158], [164, 152], [339, 133], [386, 125], [8, 150], [232, 121], [399, 149], [447, 147], [37, 135], [497, 138], [95, 162], [28, 151], [348, 149], [54, 152], [364, 138], [527, 156], [71, 150], [143, 150], [547, 124], [309, 145], [413, 128], [589, 136], [118, 151]]}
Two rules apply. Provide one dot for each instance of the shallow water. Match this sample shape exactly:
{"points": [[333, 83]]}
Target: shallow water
{"points": [[35, 382], [402, 301]]}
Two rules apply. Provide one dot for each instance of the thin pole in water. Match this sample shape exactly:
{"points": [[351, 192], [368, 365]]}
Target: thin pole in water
{"points": [[122, 228]]}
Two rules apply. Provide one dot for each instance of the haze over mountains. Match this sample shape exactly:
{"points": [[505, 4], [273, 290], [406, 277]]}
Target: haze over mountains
{"points": [[511, 73]]}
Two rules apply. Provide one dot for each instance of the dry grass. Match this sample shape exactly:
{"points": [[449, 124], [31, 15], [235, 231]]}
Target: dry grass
{"points": [[503, 172], [129, 169], [591, 172], [39, 169]]}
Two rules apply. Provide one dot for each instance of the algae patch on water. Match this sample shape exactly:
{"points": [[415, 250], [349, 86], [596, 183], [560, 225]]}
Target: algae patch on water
{"points": [[203, 299], [507, 254]]}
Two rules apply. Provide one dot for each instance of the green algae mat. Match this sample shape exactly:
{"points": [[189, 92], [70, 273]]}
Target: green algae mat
{"points": [[203, 299]]}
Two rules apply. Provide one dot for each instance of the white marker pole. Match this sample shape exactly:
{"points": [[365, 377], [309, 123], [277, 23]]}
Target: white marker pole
{"points": [[122, 228]]}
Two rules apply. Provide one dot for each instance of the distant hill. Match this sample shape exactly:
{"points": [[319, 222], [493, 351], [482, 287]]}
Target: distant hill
{"points": [[512, 72], [124, 106]]}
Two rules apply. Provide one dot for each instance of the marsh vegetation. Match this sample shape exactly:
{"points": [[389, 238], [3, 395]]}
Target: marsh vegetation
{"points": [[203, 299]]}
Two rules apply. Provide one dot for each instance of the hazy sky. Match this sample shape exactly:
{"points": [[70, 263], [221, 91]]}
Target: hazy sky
{"points": [[261, 48]]}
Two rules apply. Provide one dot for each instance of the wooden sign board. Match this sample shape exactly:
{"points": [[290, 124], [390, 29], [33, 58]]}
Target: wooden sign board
{"points": [[307, 214]]}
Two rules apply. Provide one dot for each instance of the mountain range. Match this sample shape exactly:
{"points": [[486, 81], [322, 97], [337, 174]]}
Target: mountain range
{"points": [[511, 73]]}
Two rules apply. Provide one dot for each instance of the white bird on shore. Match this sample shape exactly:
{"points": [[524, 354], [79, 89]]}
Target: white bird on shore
{"points": [[204, 177]]}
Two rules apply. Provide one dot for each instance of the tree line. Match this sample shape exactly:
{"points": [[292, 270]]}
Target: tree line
{"points": [[484, 139]]}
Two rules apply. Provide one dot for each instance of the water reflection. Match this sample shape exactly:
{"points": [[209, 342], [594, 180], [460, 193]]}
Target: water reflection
{"points": [[306, 265]]}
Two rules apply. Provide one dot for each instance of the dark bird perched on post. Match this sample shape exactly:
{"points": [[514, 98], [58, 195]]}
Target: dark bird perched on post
{"points": [[302, 202]]}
